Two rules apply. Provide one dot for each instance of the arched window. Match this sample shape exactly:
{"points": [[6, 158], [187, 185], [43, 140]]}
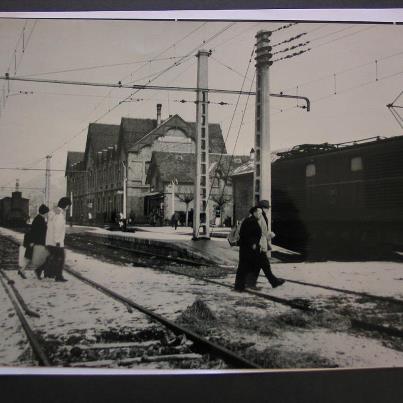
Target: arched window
{"points": [[310, 170], [175, 136], [356, 164]]}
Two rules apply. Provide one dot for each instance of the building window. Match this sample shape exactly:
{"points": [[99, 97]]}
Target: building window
{"points": [[356, 164], [310, 170]]}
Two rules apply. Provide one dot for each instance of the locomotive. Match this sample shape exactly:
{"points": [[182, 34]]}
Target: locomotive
{"points": [[14, 210], [340, 200]]}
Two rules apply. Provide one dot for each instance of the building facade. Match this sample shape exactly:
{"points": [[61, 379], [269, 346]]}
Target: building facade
{"points": [[171, 181], [116, 162]]}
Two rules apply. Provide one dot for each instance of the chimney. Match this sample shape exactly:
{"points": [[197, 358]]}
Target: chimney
{"points": [[159, 106], [252, 154]]}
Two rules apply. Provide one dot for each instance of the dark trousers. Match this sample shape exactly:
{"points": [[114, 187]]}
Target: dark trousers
{"points": [[248, 261], [55, 262], [263, 263]]}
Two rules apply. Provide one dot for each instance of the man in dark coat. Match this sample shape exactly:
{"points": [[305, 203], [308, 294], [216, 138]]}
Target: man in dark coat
{"points": [[249, 237], [38, 236], [264, 248]]}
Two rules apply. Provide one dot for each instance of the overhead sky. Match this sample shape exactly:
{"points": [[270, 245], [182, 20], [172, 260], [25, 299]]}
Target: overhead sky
{"points": [[350, 74]]}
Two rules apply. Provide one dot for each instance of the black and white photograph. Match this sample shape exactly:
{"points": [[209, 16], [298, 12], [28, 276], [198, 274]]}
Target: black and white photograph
{"points": [[201, 195]]}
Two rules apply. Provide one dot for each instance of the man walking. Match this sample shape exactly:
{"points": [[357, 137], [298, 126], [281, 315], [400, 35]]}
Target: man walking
{"points": [[38, 239], [55, 237], [249, 237], [265, 247]]}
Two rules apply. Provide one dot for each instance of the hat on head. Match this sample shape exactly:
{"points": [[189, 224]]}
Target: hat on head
{"points": [[43, 209], [264, 204], [64, 202]]}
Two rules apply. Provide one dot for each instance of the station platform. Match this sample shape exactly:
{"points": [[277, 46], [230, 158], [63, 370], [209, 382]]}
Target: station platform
{"points": [[215, 250]]}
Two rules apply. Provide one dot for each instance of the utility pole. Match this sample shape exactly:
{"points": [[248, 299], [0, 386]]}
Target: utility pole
{"points": [[71, 207], [262, 174], [201, 218], [124, 190], [47, 180], [174, 182]]}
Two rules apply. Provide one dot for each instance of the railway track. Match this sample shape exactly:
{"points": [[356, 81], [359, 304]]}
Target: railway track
{"points": [[302, 305], [358, 321], [169, 342], [151, 262]]}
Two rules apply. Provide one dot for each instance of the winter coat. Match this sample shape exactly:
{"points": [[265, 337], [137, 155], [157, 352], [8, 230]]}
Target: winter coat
{"points": [[249, 235], [38, 230], [56, 227], [266, 236]]}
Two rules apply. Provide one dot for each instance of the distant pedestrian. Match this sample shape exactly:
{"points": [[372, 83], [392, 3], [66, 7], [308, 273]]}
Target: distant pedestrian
{"points": [[55, 237], [175, 220], [249, 238], [264, 248]]}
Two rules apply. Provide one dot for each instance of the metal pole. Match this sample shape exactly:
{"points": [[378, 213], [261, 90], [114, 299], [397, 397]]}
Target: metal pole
{"points": [[71, 207], [173, 197], [262, 176], [47, 180], [148, 87], [124, 190], [201, 219]]}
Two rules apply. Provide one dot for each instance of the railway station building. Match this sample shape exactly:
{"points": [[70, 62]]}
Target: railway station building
{"points": [[119, 157]]}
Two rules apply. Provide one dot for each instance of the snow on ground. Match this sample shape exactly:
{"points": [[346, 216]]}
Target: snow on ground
{"points": [[13, 341], [344, 349], [72, 305], [170, 295], [378, 278]]}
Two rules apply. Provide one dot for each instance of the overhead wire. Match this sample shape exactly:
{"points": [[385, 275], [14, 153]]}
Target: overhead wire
{"points": [[189, 54], [103, 115], [345, 90], [229, 129], [101, 66], [205, 42], [349, 69], [24, 47], [145, 63]]}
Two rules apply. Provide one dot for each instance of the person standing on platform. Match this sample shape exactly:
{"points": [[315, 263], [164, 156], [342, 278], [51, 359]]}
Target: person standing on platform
{"points": [[264, 250], [249, 238], [175, 220], [55, 237], [38, 240]]}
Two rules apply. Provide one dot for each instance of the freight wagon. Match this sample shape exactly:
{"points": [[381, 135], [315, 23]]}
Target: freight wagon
{"points": [[340, 199], [334, 200], [14, 210]]}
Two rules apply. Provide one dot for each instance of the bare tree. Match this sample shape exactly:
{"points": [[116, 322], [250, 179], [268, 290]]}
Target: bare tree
{"points": [[186, 198], [221, 201]]}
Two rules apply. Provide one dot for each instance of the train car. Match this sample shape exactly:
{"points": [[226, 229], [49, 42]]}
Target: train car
{"points": [[340, 199], [14, 210]]}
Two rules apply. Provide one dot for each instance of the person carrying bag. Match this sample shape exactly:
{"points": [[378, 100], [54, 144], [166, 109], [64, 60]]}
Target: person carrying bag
{"points": [[37, 239]]}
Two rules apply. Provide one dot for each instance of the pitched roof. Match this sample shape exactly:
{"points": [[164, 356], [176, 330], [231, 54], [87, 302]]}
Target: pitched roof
{"points": [[73, 158], [247, 168], [249, 165], [138, 133], [101, 136], [225, 164], [182, 165], [173, 165], [133, 130], [216, 140]]}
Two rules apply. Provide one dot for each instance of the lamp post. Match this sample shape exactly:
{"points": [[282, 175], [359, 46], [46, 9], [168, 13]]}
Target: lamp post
{"points": [[124, 190], [173, 183]]}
